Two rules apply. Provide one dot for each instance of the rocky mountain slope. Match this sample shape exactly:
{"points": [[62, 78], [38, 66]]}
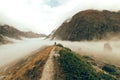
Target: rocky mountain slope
{"points": [[90, 25], [4, 40], [9, 31], [59, 63]]}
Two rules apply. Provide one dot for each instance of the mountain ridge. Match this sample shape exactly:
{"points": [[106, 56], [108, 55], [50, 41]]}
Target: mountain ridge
{"points": [[11, 32], [89, 25]]}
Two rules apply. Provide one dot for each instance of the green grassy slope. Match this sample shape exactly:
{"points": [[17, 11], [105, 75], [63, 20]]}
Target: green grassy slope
{"points": [[76, 67]]}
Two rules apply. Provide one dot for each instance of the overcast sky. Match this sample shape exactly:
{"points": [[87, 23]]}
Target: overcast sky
{"points": [[43, 16]]}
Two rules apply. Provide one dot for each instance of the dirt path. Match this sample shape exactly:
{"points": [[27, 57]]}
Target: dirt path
{"points": [[39, 66], [48, 72]]}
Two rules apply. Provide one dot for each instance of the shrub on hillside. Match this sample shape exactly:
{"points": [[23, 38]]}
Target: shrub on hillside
{"points": [[111, 69]]}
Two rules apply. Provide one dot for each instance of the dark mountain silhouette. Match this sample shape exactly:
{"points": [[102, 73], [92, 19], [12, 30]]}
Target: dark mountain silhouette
{"points": [[89, 25]]}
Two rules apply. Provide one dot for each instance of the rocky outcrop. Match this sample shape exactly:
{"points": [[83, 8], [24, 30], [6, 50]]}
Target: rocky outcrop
{"points": [[90, 25], [107, 47], [4, 40]]}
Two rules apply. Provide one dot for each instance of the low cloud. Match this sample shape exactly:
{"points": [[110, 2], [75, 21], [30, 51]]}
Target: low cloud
{"points": [[46, 15]]}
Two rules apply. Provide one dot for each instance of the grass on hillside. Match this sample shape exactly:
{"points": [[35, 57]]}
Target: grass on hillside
{"points": [[76, 67], [111, 69]]}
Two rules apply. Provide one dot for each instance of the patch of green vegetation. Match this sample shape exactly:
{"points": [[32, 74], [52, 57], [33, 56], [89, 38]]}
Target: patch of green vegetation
{"points": [[68, 49], [104, 76], [76, 67], [111, 69], [60, 45], [87, 57]]}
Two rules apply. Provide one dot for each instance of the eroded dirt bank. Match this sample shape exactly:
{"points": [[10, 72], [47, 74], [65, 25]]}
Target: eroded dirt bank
{"points": [[29, 68]]}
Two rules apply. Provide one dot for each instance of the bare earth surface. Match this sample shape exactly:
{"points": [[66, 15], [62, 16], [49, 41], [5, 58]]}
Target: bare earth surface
{"points": [[29, 68], [48, 71]]}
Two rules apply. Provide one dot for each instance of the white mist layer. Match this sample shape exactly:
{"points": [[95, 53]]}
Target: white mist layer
{"points": [[21, 48], [96, 49]]}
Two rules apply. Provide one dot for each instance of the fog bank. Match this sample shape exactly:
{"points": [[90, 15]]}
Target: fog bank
{"points": [[96, 49], [19, 49]]}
